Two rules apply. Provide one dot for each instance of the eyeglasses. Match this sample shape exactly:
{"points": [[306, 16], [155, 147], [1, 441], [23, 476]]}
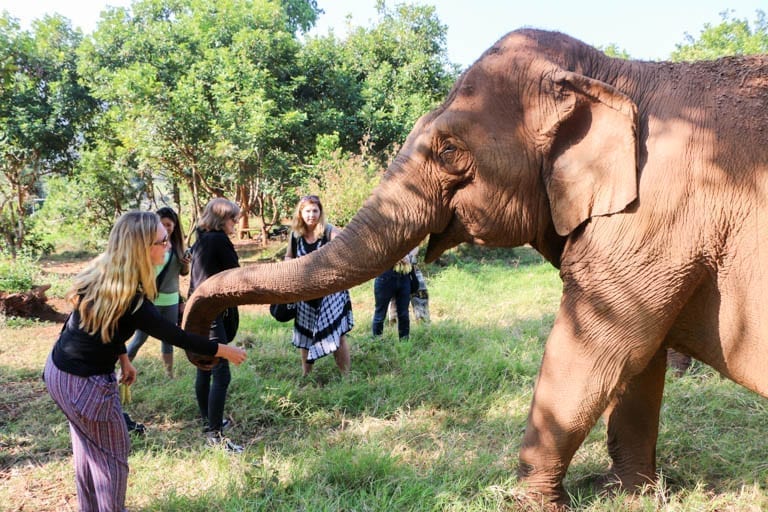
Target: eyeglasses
{"points": [[162, 242]]}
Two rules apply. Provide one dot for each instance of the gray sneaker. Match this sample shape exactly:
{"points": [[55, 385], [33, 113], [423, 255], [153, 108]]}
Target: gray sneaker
{"points": [[225, 425], [216, 440]]}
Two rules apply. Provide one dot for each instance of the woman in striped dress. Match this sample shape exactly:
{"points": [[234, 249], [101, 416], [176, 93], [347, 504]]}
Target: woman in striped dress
{"points": [[112, 298], [320, 325]]}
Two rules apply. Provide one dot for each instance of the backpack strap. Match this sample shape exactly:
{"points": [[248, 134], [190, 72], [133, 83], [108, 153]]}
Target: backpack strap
{"points": [[327, 233]]}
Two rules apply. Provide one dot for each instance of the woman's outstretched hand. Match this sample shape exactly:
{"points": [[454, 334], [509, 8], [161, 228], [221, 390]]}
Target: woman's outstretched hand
{"points": [[235, 355]]}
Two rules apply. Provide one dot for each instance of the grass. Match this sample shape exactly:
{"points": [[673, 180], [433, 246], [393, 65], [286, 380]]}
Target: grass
{"points": [[432, 423]]}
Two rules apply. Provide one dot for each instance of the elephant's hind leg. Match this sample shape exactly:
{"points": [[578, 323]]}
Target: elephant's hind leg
{"points": [[633, 425]]}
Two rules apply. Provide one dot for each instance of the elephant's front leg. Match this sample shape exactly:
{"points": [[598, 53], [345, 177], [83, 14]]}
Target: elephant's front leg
{"points": [[633, 425], [579, 376]]}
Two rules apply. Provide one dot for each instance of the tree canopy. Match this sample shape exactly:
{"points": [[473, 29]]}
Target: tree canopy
{"points": [[43, 110], [731, 36], [178, 101]]}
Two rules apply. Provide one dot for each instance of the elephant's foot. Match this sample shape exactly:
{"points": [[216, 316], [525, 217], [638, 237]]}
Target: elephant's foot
{"points": [[633, 480], [528, 501], [609, 484], [544, 489]]}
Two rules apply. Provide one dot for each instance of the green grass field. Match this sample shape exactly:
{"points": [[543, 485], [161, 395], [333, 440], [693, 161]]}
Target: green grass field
{"points": [[433, 423]]}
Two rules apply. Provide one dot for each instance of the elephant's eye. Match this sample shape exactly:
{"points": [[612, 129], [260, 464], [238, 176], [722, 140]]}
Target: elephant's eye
{"points": [[452, 158], [448, 154]]}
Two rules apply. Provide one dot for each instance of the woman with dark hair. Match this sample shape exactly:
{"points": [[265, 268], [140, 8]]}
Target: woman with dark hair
{"points": [[111, 298], [321, 325], [212, 253], [175, 264]]}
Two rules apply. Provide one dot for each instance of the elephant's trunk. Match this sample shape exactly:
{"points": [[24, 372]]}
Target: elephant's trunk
{"points": [[398, 216]]}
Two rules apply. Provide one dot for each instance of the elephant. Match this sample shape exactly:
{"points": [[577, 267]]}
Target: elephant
{"points": [[644, 183]]}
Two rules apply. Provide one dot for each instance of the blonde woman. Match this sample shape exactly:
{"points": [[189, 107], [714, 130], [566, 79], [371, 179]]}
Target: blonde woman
{"points": [[112, 298], [321, 325]]}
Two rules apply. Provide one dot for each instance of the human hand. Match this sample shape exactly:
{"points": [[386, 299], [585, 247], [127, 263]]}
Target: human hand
{"points": [[127, 373], [235, 355]]}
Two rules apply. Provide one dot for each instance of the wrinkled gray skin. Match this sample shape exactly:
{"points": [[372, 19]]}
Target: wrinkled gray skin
{"points": [[645, 183]]}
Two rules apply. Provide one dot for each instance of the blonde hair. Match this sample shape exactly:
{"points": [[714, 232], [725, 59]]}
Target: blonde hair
{"points": [[299, 226], [104, 290], [216, 213]]}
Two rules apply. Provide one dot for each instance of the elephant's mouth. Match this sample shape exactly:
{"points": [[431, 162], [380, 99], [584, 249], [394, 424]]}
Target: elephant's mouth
{"points": [[453, 235]]}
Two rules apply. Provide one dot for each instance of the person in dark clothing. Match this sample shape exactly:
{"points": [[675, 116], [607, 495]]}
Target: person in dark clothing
{"points": [[419, 299], [394, 284], [111, 298], [212, 253]]}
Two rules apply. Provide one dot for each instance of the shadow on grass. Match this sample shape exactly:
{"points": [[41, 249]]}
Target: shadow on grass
{"points": [[440, 414], [443, 368]]}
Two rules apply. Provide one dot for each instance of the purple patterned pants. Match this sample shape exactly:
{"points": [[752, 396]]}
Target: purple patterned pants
{"points": [[100, 441]]}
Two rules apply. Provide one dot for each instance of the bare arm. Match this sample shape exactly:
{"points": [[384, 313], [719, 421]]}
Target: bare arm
{"points": [[185, 261], [289, 251]]}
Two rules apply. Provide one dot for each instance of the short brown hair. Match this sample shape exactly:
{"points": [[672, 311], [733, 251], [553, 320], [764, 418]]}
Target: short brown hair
{"points": [[216, 213]]}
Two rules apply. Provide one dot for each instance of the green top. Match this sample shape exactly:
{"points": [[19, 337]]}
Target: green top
{"points": [[168, 290]]}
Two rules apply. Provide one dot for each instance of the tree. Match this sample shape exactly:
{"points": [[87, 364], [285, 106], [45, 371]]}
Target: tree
{"points": [[731, 37], [613, 50], [363, 94], [43, 109], [200, 91], [344, 180], [201, 98], [402, 68]]}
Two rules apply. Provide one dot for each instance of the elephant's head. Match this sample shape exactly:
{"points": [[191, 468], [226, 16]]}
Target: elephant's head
{"points": [[525, 149]]}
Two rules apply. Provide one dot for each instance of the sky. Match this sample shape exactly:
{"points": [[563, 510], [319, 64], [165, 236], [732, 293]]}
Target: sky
{"points": [[647, 30]]}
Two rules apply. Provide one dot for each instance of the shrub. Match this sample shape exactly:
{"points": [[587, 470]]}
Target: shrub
{"points": [[67, 220], [18, 274], [344, 180]]}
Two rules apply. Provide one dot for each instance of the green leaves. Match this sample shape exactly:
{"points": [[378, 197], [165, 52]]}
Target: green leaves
{"points": [[202, 86], [731, 37], [182, 100], [43, 108]]}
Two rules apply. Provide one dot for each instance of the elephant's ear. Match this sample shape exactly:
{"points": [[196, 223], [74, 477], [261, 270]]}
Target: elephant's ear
{"points": [[591, 165]]}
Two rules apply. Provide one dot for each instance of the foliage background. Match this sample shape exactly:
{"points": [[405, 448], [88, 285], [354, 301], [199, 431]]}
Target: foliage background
{"points": [[180, 101], [173, 102]]}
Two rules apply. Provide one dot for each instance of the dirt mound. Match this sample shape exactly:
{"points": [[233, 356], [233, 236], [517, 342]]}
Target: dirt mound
{"points": [[31, 304]]}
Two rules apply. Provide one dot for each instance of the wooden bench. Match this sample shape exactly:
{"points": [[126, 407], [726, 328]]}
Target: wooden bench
{"points": [[252, 233], [279, 233]]}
